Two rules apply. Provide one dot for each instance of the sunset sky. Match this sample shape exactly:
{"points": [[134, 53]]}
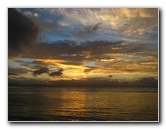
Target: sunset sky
{"points": [[51, 44]]}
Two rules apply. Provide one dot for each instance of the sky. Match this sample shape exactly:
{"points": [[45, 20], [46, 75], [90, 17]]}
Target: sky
{"points": [[47, 45]]}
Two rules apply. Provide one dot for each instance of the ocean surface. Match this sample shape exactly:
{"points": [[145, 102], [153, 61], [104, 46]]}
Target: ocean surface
{"points": [[48, 103]]}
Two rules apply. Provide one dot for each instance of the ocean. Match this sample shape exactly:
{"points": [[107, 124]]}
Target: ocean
{"points": [[50, 103]]}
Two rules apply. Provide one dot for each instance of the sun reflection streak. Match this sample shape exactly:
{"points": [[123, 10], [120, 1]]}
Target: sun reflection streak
{"points": [[75, 105]]}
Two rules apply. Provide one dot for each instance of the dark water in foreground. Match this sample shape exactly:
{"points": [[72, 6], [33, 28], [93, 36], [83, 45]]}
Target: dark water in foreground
{"points": [[82, 104]]}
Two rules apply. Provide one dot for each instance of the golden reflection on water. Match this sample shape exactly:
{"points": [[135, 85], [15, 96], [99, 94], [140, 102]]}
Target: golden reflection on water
{"points": [[63, 102], [124, 105], [72, 104]]}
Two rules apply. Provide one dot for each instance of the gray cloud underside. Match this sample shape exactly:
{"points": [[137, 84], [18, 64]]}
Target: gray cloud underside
{"points": [[74, 52], [121, 53]]}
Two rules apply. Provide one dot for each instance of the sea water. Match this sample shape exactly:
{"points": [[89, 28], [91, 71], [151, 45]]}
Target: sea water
{"points": [[49, 103]]}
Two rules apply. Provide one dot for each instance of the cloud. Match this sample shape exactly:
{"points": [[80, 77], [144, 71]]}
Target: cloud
{"points": [[12, 74], [16, 71], [40, 71], [57, 73], [110, 76], [102, 27], [87, 71], [133, 57], [31, 14], [49, 25], [38, 63], [117, 23], [71, 50], [22, 32], [91, 29]]}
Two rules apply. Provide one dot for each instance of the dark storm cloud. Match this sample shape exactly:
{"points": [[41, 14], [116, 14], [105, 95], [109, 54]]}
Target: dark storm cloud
{"points": [[40, 71], [89, 29], [57, 73], [22, 32]]}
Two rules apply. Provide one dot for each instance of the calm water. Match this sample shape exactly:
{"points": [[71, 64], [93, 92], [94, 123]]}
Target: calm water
{"points": [[82, 104]]}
